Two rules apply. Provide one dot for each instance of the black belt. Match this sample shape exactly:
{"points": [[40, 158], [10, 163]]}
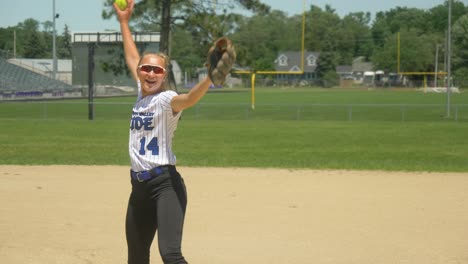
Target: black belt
{"points": [[142, 176]]}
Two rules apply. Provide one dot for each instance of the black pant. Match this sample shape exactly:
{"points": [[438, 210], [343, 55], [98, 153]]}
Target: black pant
{"points": [[156, 204]]}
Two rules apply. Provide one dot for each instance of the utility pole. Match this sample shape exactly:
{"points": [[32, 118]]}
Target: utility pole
{"points": [[436, 65], [164, 44], [91, 66], [165, 26], [449, 55], [54, 49]]}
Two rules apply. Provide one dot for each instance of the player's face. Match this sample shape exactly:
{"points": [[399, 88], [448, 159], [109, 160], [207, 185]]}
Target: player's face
{"points": [[152, 74]]}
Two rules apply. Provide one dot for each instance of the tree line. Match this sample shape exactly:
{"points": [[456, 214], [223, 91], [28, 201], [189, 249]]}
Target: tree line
{"points": [[33, 39], [189, 27]]}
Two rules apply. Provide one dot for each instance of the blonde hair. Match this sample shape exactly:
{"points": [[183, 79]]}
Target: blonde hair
{"points": [[159, 54]]}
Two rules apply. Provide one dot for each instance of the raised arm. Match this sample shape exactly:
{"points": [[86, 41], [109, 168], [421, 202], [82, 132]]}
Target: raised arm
{"points": [[183, 101], [132, 57], [220, 60]]}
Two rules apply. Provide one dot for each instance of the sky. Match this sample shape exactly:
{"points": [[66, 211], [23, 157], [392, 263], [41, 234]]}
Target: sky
{"points": [[85, 15]]}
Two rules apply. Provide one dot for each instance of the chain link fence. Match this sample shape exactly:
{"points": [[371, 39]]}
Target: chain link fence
{"points": [[51, 110]]}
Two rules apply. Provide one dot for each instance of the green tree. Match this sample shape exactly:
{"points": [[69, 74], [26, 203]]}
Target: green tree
{"points": [[258, 43], [416, 53], [460, 51], [187, 57], [326, 69], [6, 41], [165, 13], [197, 16], [64, 49], [355, 37], [386, 24], [30, 41], [439, 15], [321, 27], [48, 26], [24, 32], [35, 47], [205, 26]]}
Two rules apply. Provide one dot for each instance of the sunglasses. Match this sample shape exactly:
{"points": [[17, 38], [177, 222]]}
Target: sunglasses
{"points": [[155, 68]]}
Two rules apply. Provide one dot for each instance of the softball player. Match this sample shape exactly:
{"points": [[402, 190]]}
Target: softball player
{"points": [[158, 199]]}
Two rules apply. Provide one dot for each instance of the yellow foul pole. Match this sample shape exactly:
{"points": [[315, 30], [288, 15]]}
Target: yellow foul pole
{"points": [[253, 91], [253, 73]]}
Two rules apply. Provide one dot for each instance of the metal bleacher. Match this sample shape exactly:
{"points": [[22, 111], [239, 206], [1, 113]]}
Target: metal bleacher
{"points": [[16, 81]]}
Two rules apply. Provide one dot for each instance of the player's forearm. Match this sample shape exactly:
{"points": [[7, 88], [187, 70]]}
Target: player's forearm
{"points": [[130, 50], [189, 99], [198, 91]]}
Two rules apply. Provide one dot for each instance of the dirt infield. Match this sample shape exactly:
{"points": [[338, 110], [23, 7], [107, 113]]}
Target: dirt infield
{"points": [[75, 214]]}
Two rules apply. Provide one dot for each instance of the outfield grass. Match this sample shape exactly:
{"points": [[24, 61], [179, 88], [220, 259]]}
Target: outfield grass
{"points": [[424, 140]]}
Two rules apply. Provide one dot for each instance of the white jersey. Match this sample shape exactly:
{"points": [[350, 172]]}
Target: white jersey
{"points": [[151, 131]]}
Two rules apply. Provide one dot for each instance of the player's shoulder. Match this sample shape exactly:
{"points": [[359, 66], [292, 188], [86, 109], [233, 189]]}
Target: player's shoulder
{"points": [[168, 93], [164, 98]]}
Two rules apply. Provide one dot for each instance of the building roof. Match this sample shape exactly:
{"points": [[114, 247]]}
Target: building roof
{"points": [[293, 61], [362, 66], [344, 69]]}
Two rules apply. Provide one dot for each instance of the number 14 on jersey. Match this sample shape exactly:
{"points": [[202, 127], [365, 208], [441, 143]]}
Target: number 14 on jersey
{"points": [[152, 146]]}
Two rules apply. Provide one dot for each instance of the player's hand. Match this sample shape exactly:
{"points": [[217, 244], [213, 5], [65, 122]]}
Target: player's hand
{"points": [[124, 15]]}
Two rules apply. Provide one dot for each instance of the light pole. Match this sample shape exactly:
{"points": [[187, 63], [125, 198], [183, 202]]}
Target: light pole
{"points": [[436, 65], [54, 49], [449, 55]]}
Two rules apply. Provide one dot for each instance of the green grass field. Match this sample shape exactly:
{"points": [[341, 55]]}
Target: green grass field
{"points": [[289, 128]]}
